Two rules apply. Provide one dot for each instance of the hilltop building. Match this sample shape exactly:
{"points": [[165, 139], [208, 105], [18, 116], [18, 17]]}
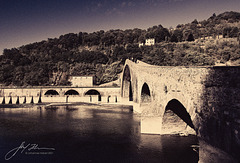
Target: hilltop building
{"points": [[140, 44], [148, 42]]}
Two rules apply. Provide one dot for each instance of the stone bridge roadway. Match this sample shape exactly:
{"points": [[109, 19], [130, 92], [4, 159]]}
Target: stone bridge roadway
{"points": [[204, 100]]}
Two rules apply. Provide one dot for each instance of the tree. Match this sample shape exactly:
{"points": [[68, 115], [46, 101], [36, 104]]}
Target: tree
{"points": [[226, 32], [195, 21], [234, 32], [173, 38], [108, 39], [190, 37]]}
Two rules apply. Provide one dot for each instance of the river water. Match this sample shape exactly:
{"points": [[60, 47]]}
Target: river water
{"points": [[86, 133]]}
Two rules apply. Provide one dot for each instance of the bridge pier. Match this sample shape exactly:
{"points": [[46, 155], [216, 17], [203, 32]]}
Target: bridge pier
{"points": [[151, 121], [151, 125], [8, 100], [156, 119], [1, 100], [22, 100], [14, 100], [137, 108]]}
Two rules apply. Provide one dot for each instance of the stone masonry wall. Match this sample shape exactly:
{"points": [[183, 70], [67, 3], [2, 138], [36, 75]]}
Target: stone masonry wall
{"points": [[219, 117]]}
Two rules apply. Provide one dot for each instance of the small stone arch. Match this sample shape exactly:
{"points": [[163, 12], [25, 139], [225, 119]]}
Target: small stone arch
{"points": [[93, 92], [127, 90], [176, 119], [51, 92], [145, 93], [71, 92]]}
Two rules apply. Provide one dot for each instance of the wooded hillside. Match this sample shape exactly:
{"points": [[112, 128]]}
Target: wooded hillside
{"points": [[102, 54]]}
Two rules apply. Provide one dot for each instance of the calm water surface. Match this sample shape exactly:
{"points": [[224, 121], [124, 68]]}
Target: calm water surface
{"points": [[87, 133]]}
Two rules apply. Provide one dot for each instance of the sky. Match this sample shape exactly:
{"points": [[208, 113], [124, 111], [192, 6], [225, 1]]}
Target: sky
{"points": [[28, 21]]}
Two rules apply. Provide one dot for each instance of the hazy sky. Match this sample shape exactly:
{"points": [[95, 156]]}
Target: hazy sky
{"points": [[27, 21]]}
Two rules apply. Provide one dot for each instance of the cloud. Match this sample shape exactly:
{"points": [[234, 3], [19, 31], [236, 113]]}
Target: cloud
{"points": [[130, 4], [114, 11], [154, 2], [123, 4], [127, 4], [94, 7], [176, 0], [99, 5]]}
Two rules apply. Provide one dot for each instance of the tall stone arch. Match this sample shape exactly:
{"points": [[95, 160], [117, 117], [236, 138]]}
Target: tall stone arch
{"points": [[145, 94], [127, 89]]}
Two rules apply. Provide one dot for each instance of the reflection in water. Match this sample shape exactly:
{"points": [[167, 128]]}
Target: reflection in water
{"points": [[88, 134], [151, 142]]}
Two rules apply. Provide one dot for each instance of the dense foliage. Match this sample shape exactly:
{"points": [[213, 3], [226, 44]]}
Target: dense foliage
{"points": [[102, 54]]}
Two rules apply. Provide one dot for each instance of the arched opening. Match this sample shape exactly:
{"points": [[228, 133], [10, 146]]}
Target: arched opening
{"points": [[127, 91], [32, 102], [145, 94], [3, 101], [17, 102], [93, 92], [67, 99], [40, 99], [176, 119], [71, 92], [51, 92], [25, 100], [10, 100]]}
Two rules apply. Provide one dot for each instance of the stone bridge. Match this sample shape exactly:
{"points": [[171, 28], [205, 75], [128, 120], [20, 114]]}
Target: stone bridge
{"points": [[20, 95], [203, 100]]}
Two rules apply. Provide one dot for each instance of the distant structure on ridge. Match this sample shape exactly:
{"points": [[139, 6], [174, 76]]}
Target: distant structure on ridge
{"points": [[148, 42]]}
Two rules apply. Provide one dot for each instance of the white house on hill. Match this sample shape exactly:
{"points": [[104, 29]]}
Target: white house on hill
{"points": [[150, 42]]}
